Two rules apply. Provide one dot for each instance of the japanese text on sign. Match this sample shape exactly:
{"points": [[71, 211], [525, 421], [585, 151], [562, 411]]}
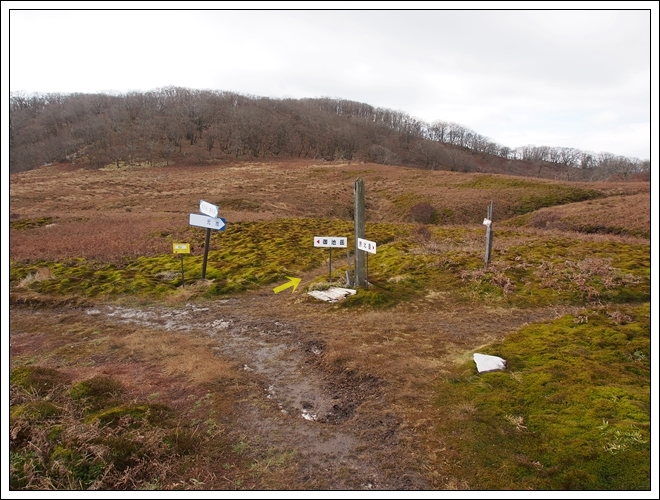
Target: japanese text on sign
{"points": [[208, 222], [366, 245], [181, 247], [330, 241]]}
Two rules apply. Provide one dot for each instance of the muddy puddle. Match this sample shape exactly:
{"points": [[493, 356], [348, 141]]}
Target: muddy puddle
{"points": [[316, 416]]}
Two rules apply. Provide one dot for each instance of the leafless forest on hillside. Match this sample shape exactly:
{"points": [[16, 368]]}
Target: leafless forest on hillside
{"points": [[181, 126]]}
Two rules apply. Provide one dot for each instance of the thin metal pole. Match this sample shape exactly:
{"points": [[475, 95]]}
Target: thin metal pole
{"points": [[349, 273], [366, 281], [330, 267], [183, 280]]}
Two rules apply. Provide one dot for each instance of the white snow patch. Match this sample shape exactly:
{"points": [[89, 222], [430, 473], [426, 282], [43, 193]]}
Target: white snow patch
{"points": [[487, 363], [307, 415], [220, 324], [332, 294]]}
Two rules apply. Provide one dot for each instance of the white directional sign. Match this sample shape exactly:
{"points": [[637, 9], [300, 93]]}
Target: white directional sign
{"points": [[330, 241], [208, 208], [366, 245], [207, 222]]}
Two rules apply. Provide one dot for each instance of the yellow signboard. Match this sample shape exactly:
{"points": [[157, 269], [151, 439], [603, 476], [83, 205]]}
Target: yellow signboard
{"points": [[181, 247]]}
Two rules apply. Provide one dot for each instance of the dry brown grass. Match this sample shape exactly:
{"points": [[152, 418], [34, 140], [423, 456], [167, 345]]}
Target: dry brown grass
{"points": [[112, 213], [627, 214], [152, 366], [106, 238], [186, 293], [40, 274], [178, 356]]}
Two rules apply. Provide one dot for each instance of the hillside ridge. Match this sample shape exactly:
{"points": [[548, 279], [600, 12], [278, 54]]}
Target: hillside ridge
{"points": [[185, 126]]}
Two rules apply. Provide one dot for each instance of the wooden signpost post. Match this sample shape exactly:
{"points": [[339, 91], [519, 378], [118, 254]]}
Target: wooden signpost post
{"points": [[330, 242], [208, 221], [181, 249], [359, 232], [361, 245], [488, 222]]}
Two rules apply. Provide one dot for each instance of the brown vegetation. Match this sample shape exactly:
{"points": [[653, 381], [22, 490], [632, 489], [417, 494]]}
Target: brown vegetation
{"points": [[185, 126], [235, 371], [625, 214], [112, 213]]}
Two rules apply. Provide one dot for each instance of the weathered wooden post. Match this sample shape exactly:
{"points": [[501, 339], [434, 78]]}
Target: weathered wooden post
{"points": [[359, 232], [488, 222]]}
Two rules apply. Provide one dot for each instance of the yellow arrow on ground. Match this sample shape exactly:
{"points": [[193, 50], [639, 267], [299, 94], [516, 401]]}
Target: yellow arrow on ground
{"points": [[294, 283]]}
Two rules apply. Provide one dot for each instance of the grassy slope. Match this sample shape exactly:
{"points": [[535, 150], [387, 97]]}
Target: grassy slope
{"points": [[571, 412]]}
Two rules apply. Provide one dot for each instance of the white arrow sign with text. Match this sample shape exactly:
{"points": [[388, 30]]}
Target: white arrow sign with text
{"points": [[366, 245], [330, 241], [207, 221]]}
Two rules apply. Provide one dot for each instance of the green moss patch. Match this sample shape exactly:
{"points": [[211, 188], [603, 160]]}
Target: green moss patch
{"points": [[553, 195], [527, 196], [114, 414], [571, 411], [562, 270], [37, 379], [23, 224], [97, 391], [35, 410], [526, 270], [500, 182], [245, 256], [123, 444]]}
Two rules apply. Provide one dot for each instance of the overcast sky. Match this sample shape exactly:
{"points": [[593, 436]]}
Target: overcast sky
{"points": [[568, 78]]}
